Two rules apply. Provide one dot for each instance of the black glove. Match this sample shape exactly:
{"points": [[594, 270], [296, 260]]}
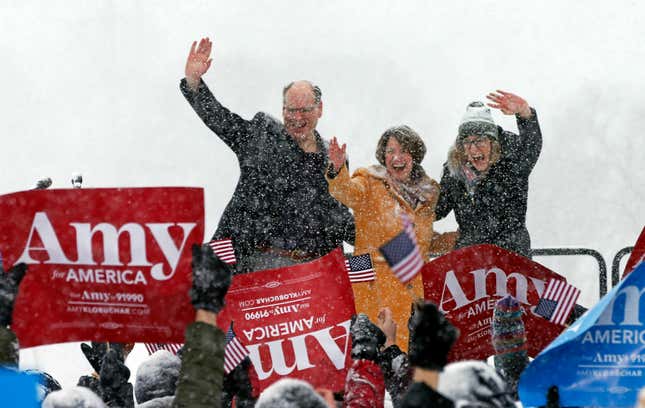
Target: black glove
{"points": [[95, 353], [237, 385], [211, 279], [367, 338], [431, 337], [116, 391], [9, 282]]}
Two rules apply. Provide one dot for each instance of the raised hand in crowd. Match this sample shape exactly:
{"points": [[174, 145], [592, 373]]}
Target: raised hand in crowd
{"points": [[337, 155], [116, 391], [387, 325], [9, 282], [393, 362], [211, 279], [367, 338], [509, 104], [198, 61], [110, 380]]}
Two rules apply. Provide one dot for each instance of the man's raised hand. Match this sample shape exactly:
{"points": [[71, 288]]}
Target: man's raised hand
{"points": [[337, 155], [198, 61], [509, 104]]}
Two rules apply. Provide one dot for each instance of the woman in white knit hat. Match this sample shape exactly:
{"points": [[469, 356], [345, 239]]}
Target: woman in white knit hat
{"points": [[485, 179]]}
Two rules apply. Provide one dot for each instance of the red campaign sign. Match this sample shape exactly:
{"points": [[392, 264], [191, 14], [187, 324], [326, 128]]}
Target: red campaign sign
{"points": [[104, 264], [638, 254], [467, 283], [294, 321]]}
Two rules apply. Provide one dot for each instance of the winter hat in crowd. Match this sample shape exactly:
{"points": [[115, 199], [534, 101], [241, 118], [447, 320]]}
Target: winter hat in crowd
{"points": [[290, 393], [163, 402], [157, 376], [431, 336], [477, 121], [73, 397], [509, 340], [474, 383]]}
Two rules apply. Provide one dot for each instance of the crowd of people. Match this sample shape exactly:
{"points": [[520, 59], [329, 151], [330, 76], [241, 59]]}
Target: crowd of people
{"points": [[195, 377], [292, 205]]}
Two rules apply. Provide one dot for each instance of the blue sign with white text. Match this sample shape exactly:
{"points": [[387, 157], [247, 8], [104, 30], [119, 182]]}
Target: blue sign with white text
{"points": [[598, 361], [18, 389]]}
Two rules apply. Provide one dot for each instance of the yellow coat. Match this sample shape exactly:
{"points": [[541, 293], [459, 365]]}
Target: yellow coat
{"points": [[377, 210]]}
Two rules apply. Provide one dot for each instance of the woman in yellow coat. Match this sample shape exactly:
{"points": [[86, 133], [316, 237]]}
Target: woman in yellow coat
{"points": [[379, 195]]}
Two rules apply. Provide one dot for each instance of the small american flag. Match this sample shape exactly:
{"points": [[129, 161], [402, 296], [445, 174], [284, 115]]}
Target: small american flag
{"points": [[402, 253], [172, 347], [360, 269], [558, 300], [234, 352], [223, 248]]}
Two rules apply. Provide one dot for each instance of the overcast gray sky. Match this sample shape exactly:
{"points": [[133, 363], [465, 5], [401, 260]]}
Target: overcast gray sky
{"points": [[93, 87]]}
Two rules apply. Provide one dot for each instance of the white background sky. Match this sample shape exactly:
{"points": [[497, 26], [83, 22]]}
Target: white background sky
{"points": [[93, 87]]}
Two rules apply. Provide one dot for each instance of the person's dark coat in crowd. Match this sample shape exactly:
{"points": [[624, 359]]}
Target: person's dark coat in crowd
{"points": [[202, 367], [9, 282], [237, 387], [494, 211], [420, 395], [397, 373], [281, 199]]}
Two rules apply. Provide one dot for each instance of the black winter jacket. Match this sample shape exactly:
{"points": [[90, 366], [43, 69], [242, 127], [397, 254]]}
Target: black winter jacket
{"points": [[419, 395], [496, 212], [281, 199]]}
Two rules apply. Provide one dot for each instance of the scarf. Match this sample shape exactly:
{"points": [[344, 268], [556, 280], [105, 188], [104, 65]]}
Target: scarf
{"points": [[471, 177]]}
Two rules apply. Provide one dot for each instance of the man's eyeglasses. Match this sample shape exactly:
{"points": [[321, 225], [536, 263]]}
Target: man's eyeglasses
{"points": [[479, 142], [306, 109]]}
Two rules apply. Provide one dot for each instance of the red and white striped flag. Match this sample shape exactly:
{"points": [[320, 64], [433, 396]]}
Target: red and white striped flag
{"points": [[402, 252], [172, 347], [234, 352], [223, 248], [359, 268], [558, 300]]}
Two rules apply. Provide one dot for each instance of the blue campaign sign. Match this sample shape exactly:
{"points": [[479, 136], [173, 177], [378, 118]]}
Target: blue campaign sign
{"points": [[600, 360], [18, 389]]}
